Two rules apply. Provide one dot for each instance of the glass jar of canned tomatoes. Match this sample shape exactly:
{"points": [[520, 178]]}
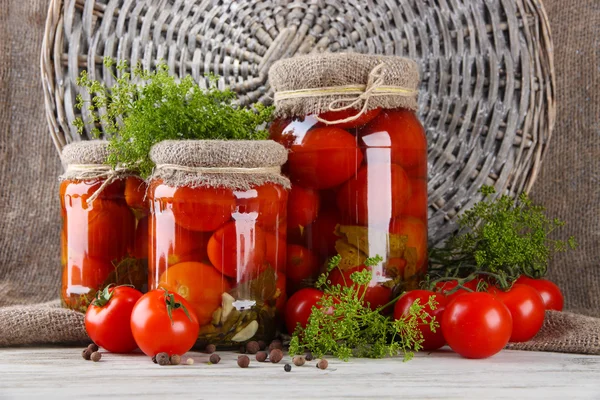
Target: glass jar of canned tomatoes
{"points": [[358, 166], [105, 225], [218, 234]]}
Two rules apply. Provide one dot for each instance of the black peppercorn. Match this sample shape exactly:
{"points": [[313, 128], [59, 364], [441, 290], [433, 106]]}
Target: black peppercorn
{"points": [[210, 348], [86, 353], [252, 347], [243, 361], [275, 344], [309, 357], [287, 367], [276, 355], [162, 358], [214, 358], [322, 364], [154, 359], [262, 345], [261, 356], [93, 347], [175, 359], [95, 357], [298, 361]]}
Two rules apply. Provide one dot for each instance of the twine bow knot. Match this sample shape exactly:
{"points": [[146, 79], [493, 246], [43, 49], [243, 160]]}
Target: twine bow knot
{"points": [[97, 171]]}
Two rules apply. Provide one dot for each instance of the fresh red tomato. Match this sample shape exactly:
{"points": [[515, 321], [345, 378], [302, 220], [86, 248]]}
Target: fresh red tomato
{"points": [[135, 193], [527, 309], [401, 130], [303, 206], [375, 195], [431, 340], [107, 320], [324, 158], [276, 250], [550, 292], [164, 322], [238, 249], [476, 325], [416, 232], [200, 284], [364, 119], [299, 308], [447, 286], [268, 201], [202, 208], [376, 295], [302, 267], [417, 204]]}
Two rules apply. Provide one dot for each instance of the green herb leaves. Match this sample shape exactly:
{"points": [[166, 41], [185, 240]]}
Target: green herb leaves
{"points": [[502, 239], [143, 108]]}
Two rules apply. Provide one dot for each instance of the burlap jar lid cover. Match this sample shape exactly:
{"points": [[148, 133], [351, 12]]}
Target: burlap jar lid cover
{"points": [[317, 83], [232, 164]]}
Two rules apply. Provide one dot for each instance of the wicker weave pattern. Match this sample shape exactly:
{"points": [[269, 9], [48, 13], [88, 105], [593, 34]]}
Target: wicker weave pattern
{"points": [[486, 96]]}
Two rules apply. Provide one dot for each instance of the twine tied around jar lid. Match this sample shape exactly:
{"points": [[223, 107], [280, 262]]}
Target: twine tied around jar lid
{"points": [[219, 170], [96, 171], [364, 93]]}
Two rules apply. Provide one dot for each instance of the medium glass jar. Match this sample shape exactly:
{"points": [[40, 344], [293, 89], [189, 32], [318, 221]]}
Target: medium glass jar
{"points": [[218, 234], [105, 225], [359, 178]]}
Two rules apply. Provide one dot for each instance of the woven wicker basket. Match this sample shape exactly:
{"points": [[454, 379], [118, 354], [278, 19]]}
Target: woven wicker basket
{"points": [[486, 96]]}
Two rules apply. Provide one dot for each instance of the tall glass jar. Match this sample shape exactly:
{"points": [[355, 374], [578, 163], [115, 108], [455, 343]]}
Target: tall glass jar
{"points": [[359, 172], [218, 234], [105, 225]]}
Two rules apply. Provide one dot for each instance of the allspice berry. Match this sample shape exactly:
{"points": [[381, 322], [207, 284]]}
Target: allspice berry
{"points": [[214, 358], [252, 347], [261, 356], [175, 359], [275, 344], [298, 361], [210, 348], [86, 354], [243, 361], [262, 345], [95, 357], [322, 364], [276, 355], [287, 367], [162, 359], [93, 347]]}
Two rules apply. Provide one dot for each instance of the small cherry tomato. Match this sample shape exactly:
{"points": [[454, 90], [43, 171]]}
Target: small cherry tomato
{"points": [[550, 292], [302, 267], [527, 309], [375, 295], [200, 284], [476, 325], [299, 308], [375, 195], [135, 193], [238, 249], [202, 208], [303, 206], [162, 321], [324, 158], [431, 340], [364, 119], [107, 320]]}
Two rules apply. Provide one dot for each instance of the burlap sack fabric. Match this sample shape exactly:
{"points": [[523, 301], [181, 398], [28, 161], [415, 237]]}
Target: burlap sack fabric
{"points": [[29, 252]]}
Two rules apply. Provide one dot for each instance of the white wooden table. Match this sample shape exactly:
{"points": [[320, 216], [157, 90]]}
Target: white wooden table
{"points": [[62, 373]]}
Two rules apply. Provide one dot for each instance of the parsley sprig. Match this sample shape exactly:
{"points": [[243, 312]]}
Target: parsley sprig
{"points": [[502, 239], [343, 325], [145, 107]]}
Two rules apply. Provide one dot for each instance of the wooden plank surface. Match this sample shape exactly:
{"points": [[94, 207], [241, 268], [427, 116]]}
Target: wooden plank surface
{"points": [[62, 373]]}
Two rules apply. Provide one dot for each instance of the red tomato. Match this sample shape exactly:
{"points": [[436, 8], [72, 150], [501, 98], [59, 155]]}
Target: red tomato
{"points": [[417, 204], [140, 247], [107, 320], [200, 284], [527, 309], [135, 193], [550, 292], [202, 209], [376, 295], [84, 275], [364, 119], [375, 195], [431, 340], [447, 286], [302, 267], [268, 201], [303, 206], [320, 235], [171, 244], [325, 158], [275, 251], [476, 325], [289, 131], [238, 249], [401, 130], [155, 331], [416, 232], [299, 308]]}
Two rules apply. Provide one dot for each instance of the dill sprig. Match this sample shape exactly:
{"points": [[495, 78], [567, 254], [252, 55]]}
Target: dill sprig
{"points": [[145, 107]]}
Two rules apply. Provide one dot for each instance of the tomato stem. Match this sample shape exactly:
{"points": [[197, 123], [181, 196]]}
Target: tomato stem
{"points": [[173, 304]]}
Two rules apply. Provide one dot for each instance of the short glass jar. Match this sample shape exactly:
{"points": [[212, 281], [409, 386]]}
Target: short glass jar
{"points": [[105, 226]]}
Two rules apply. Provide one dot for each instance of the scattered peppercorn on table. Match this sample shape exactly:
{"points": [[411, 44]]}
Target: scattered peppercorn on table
{"points": [[63, 373]]}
